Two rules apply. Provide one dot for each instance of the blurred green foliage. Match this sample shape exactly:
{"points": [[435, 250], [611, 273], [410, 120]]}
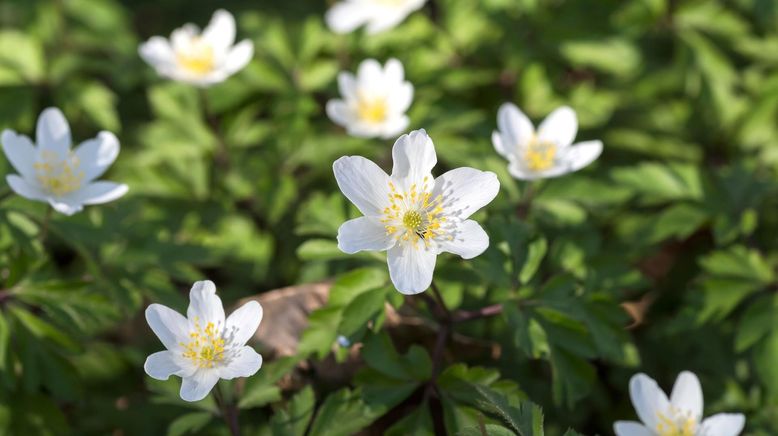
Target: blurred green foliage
{"points": [[677, 219]]}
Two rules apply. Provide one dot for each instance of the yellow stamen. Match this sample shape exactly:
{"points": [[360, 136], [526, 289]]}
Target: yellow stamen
{"points": [[198, 59], [372, 110], [676, 425], [58, 176], [414, 216], [539, 155], [206, 347]]}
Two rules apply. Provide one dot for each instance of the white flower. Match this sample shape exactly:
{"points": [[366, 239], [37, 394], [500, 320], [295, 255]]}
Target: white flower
{"points": [[681, 415], [545, 153], [199, 58], [411, 214], [374, 102], [378, 15], [203, 347], [53, 173]]}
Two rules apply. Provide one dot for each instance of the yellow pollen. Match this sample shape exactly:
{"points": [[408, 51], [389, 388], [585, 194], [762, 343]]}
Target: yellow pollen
{"points": [[206, 346], [412, 220], [672, 426], [198, 59], [414, 215], [372, 110], [539, 155], [58, 176]]}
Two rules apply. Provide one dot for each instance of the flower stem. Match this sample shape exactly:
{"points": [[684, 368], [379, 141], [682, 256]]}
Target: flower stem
{"points": [[484, 312], [44, 229], [441, 303], [5, 194], [228, 411], [528, 194]]}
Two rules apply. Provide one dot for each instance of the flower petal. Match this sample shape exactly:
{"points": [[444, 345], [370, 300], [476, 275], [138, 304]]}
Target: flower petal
{"points": [[363, 183], [53, 132], [346, 16], [239, 56], [411, 268], [339, 112], [394, 126], [559, 127], [220, 31], [465, 190], [631, 428], [468, 240], [723, 424], [370, 79], [243, 322], [162, 364], [181, 38], [245, 364], [170, 326], [65, 207], [96, 155], [519, 171], [515, 129], [97, 193], [414, 157], [399, 100], [199, 384], [649, 400], [157, 52], [687, 394], [499, 144], [582, 154], [347, 85], [204, 305], [25, 189], [388, 18], [21, 152], [364, 233], [394, 72]]}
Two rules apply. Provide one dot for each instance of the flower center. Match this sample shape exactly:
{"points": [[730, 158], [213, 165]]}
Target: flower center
{"points": [[676, 424], [58, 176], [412, 220], [539, 155], [205, 347], [372, 110], [414, 215], [197, 58]]}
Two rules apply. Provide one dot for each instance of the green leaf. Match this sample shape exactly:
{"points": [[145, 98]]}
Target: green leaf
{"points": [[535, 253], [189, 423], [616, 56], [343, 413], [21, 59], [262, 389], [732, 275], [41, 329], [379, 354], [365, 307], [294, 420], [526, 419], [418, 423]]}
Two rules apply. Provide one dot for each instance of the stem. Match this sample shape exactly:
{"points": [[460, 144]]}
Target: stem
{"points": [[441, 303], [523, 208], [484, 312], [229, 412], [45, 225], [437, 359], [6, 194], [221, 154]]}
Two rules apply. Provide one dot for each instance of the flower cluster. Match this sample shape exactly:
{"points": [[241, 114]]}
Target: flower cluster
{"points": [[410, 214]]}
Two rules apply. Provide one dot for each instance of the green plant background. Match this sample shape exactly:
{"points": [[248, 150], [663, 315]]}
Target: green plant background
{"points": [[677, 218]]}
